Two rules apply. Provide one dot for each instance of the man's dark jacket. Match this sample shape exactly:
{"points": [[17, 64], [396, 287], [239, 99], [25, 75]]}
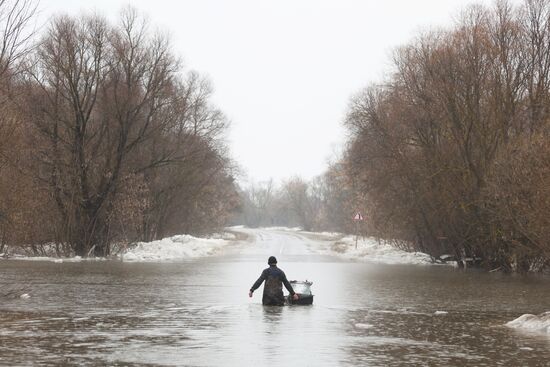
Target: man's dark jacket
{"points": [[273, 288]]}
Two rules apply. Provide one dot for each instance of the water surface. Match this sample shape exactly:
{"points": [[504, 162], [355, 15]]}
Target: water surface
{"points": [[197, 313]]}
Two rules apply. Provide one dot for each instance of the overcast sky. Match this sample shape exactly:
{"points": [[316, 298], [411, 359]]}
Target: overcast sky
{"points": [[283, 70]]}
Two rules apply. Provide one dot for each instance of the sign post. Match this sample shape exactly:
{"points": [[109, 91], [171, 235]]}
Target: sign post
{"points": [[357, 218]]}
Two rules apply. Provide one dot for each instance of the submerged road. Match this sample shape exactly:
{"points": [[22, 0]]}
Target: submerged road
{"points": [[197, 312]]}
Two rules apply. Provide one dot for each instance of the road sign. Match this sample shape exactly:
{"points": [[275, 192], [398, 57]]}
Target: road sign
{"points": [[358, 216]]}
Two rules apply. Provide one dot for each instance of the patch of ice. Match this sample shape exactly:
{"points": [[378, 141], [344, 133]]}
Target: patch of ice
{"points": [[438, 313], [57, 259], [75, 259], [34, 258], [534, 323], [174, 248], [363, 326], [25, 296], [527, 349]]}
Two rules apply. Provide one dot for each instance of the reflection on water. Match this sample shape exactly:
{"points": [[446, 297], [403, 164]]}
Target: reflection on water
{"points": [[198, 314]]}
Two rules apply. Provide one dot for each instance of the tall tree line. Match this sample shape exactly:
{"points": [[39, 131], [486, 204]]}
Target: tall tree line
{"points": [[116, 141], [452, 153]]}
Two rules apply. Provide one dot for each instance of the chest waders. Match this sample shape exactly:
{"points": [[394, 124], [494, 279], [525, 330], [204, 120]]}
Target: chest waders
{"points": [[273, 292]]}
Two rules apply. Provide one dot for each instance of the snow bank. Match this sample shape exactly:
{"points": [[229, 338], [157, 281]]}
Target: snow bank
{"points": [[74, 259], [175, 248], [368, 248], [372, 250], [534, 323], [301, 231], [223, 236], [286, 229]]}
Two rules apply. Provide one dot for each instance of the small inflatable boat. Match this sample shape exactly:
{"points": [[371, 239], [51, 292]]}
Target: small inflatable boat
{"points": [[303, 290]]}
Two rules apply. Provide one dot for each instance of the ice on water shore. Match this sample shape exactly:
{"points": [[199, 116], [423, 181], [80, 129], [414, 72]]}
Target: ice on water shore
{"points": [[372, 250], [58, 260], [185, 246], [363, 326], [172, 248], [176, 248], [534, 323], [325, 243]]}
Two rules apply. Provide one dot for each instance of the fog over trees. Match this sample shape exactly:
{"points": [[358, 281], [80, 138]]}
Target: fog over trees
{"points": [[325, 203], [451, 154]]}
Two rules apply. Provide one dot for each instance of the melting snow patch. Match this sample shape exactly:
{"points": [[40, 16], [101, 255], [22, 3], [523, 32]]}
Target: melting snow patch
{"points": [[174, 248], [25, 296], [440, 313], [286, 229], [75, 259], [363, 326], [373, 250], [223, 236], [535, 323]]}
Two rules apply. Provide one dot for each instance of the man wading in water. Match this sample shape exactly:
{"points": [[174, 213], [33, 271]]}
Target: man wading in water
{"points": [[273, 288]]}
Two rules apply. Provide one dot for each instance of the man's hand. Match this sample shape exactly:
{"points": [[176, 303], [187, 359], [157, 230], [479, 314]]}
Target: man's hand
{"points": [[295, 297], [250, 294]]}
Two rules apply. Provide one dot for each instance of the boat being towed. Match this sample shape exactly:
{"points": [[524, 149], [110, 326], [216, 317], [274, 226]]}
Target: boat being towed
{"points": [[303, 290]]}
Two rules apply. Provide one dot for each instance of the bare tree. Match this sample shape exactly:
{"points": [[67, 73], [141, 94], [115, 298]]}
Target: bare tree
{"points": [[15, 35], [117, 123], [428, 147]]}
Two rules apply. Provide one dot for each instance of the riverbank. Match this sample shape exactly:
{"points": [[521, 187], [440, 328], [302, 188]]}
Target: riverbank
{"points": [[181, 247], [368, 249], [375, 250], [173, 248]]}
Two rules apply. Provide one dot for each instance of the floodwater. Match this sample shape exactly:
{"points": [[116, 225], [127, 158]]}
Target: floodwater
{"points": [[197, 313]]}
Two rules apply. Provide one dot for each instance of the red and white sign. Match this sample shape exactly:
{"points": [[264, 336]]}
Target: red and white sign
{"points": [[358, 216]]}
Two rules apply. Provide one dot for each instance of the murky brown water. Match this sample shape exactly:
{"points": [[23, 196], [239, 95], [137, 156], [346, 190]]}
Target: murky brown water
{"points": [[197, 313]]}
